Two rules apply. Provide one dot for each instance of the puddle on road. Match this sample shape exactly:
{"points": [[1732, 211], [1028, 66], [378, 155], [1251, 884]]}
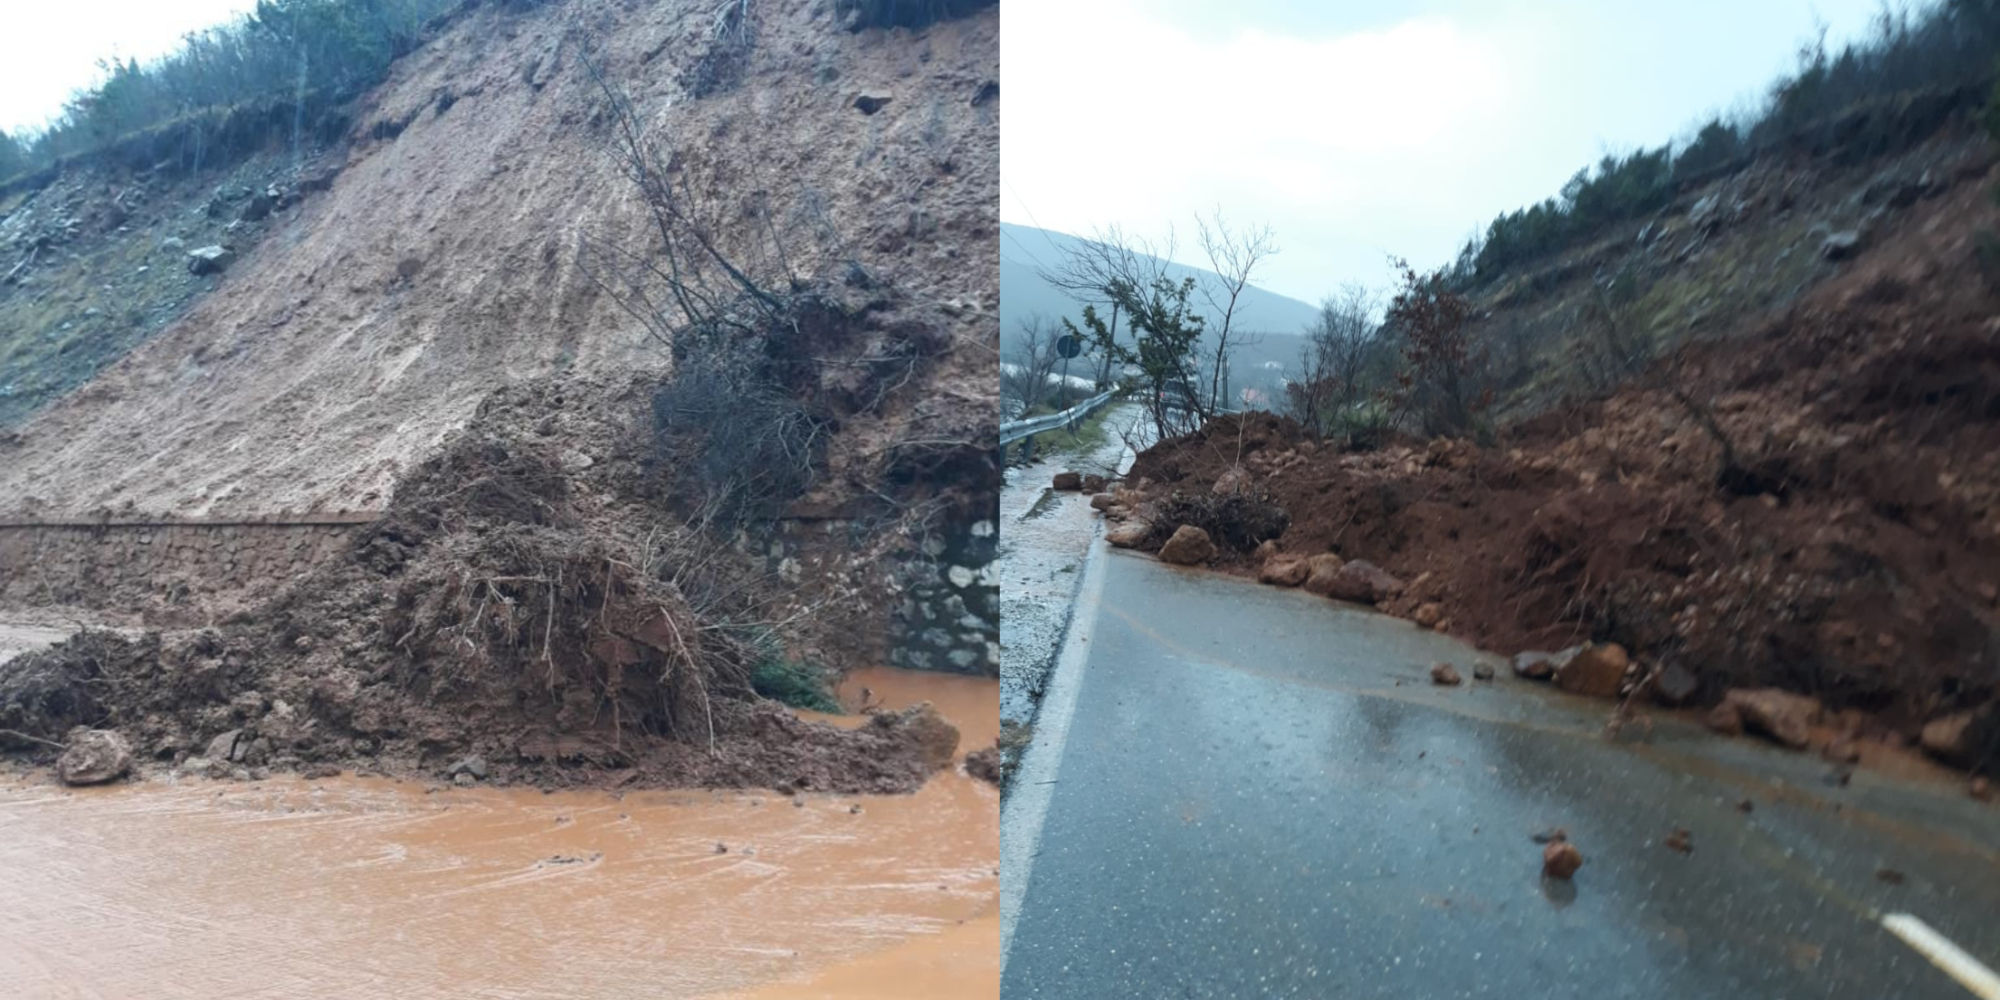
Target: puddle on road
{"points": [[370, 888]]}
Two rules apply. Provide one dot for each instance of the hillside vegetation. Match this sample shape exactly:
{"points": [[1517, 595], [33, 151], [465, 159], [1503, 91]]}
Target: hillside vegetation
{"points": [[1728, 412]]}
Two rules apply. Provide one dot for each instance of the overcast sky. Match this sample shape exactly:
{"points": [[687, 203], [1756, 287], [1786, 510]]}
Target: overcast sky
{"points": [[1359, 129], [51, 47]]}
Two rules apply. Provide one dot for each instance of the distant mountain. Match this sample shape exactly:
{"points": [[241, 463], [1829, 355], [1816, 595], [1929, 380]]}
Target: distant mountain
{"points": [[1023, 293]]}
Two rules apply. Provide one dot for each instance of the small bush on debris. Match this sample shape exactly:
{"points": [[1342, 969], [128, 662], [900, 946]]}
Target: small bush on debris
{"points": [[1238, 521], [797, 684]]}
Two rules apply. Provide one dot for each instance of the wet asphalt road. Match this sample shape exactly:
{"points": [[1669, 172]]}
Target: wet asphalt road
{"points": [[1246, 803], [1044, 536]]}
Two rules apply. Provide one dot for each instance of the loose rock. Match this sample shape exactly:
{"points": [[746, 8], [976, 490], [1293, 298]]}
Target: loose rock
{"points": [[1129, 535], [1232, 481], [1190, 546], [1283, 570], [1561, 859], [1445, 675], [93, 757], [210, 260], [1950, 738], [1067, 481], [1428, 614], [229, 746], [1320, 572], [1841, 245], [1781, 715], [1593, 669], [1535, 665], [1362, 582], [1482, 671]]}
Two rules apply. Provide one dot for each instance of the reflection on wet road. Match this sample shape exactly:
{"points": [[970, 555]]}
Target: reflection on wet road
{"points": [[1261, 794], [370, 888]]}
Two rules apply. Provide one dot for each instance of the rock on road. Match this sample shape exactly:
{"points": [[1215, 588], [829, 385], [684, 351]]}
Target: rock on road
{"points": [[1241, 791]]}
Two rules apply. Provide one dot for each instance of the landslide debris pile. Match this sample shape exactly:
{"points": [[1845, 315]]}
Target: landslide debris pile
{"points": [[1851, 553], [523, 600]]}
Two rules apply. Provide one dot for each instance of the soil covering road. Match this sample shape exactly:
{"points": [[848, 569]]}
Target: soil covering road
{"points": [[1254, 793]]}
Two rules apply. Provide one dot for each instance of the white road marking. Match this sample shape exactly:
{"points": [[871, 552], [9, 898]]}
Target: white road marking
{"points": [[1970, 972], [1034, 779]]}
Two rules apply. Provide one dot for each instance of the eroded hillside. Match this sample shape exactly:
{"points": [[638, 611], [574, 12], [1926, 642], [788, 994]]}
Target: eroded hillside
{"points": [[1740, 457], [441, 262]]}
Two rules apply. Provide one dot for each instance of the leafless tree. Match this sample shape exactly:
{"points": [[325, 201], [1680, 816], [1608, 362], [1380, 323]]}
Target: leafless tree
{"points": [[1334, 357], [1234, 256], [683, 282], [1025, 377], [1109, 259]]}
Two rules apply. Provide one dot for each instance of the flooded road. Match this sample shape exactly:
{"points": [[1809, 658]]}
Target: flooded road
{"points": [[370, 888]]}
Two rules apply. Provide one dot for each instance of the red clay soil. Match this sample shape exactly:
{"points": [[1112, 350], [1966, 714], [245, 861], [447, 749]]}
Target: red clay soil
{"points": [[1854, 555]]}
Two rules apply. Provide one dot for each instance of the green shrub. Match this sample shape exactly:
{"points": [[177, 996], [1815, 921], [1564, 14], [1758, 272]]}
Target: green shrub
{"points": [[799, 685]]}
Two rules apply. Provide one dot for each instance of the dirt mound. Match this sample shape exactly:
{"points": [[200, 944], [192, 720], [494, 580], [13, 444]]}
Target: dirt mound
{"points": [[525, 599], [1852, 553]]}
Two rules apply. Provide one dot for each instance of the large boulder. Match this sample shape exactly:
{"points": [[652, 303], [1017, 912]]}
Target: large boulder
{"points": [[1320, 571], [1104, 501], [1129, 535], [1954, 738], [1232, 481], [1676, 685], [1068, 482], [1781, 715], [1362, 582], [1594, 669], [210, 260], [230, 746], [93, 757], [1190, 546], [1284, 570]]}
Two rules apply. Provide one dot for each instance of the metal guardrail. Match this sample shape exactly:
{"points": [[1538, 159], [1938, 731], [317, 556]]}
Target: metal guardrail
{"points": [[1016, 430]]}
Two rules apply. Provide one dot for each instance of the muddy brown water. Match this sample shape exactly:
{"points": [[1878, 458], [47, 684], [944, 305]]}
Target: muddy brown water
{"points": [[357, 887]]}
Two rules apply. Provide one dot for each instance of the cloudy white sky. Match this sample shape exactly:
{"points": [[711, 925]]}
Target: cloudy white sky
{"points": [[1359, 129], [51, 47]]}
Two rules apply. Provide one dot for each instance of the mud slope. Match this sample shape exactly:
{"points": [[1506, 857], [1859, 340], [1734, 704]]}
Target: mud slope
{"points": [[441, 264], [1852, 553]]}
